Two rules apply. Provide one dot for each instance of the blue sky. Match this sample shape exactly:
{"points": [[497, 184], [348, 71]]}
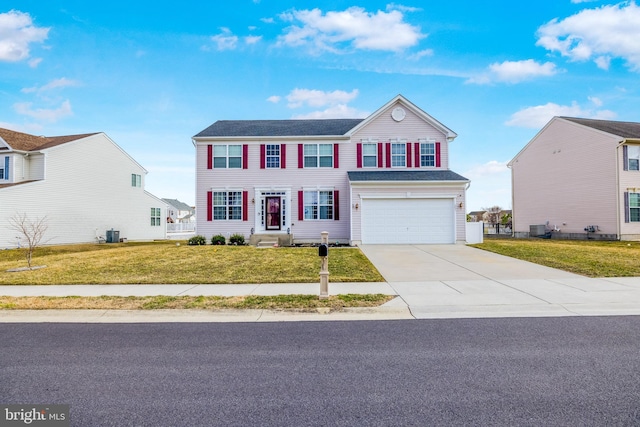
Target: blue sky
{"points": [[153, 74]]}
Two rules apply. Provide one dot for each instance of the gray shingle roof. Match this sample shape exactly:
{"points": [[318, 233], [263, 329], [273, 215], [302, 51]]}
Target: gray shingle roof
{"points": [[319, 127], [405, 175], [622, 129]]}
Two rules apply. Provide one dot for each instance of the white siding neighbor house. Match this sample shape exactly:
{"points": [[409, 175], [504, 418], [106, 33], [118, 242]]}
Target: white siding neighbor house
{"points": [[579, 179], [83, 184], [382, 179]]}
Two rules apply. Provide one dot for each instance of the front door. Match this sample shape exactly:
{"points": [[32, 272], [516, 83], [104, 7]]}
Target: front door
{"points": [[273, 212]]}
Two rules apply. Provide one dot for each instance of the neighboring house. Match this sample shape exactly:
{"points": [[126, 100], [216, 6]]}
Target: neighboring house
{"points": [[83, 184], [179, 212], [383, 179], [478, 216], [579, 178]]}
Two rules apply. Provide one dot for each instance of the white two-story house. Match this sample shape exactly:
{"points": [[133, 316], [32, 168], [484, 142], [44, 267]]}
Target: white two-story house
{"points": [[382, 179], [83, 185]]}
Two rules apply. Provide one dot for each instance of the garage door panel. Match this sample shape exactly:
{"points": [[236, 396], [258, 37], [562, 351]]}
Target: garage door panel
{"points": [[410, 221]]}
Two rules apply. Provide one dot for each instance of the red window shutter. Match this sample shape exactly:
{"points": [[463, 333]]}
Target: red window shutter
{"points": [[283, 156], [300, 156], [245, 156], [300, 205], [438, 164], [417, 154], [625, 158], [359, 155], [336, 205], [379, 155], [388, 154], [626, 206], [209, 156], [336, 155], [209, 206], [408, 154], [245, 206], [263, 156]]}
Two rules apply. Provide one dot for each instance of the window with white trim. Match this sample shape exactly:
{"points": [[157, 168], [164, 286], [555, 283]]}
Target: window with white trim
{"points": [[227, 205], [369, 155], [633, 157], [318, 205], [156, 217], [427, 154], [4, 168], [318, 155], [227, 156], [272, 156], [136, 180], [634, 207], [398, 154]]}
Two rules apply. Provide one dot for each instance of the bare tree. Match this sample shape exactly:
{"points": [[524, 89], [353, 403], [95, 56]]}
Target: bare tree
{"points": [[493, 214], [31, 232]]}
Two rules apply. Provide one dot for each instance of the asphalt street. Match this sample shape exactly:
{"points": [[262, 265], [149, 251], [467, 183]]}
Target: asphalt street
{"points": [[569, 371]]}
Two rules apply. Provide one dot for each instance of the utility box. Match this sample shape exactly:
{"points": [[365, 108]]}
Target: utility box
{"points": [[113, 236], [537, 230]]}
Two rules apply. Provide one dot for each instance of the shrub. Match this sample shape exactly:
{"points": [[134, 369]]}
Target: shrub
{"points": [[197, 241], [236, 239], [218, 240]]}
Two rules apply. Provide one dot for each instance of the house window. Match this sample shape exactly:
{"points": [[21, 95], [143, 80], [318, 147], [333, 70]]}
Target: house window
{"points": [[369, 155], [227, 156], [136, 180], [318, 205], [4, 168], [318, 155], [227, 205], [634, 207], [427, 154], [156, 217], [633, 157], [273, 156], [398, 155]]}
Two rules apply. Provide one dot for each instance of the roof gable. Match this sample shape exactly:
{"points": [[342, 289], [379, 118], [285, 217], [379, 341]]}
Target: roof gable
{"points": [[25, 142], [621, 129], [274, 128]]}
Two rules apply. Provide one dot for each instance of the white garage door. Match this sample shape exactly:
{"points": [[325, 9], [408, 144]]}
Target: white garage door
{"points": [[410, 221]]}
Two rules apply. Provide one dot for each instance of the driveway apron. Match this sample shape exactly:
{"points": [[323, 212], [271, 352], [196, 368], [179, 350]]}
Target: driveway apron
{"points": [[438, 281]]}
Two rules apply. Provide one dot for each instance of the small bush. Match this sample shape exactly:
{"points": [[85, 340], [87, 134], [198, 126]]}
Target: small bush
{"points": [[197, 241], [218, 240], [236, 239]]}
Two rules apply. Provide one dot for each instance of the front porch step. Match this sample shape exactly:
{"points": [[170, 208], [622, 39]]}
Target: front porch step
{"points": [[269, 240], [266, 243]]}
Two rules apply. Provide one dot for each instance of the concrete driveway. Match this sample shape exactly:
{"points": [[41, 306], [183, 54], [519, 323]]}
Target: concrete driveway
{"points": [[440, 281]]}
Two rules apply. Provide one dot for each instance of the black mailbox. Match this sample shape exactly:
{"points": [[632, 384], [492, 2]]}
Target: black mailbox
{"points": [[323, 250]]}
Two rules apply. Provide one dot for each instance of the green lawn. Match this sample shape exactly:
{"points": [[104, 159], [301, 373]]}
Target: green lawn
{"points": [[586, 257], [168, 263]]}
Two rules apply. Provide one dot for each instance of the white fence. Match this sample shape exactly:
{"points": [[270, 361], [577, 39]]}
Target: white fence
{"points": [[475, 232], [181, 227]]}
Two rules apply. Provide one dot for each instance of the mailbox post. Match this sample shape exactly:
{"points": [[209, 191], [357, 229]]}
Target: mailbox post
{"points": [[323, 252]]}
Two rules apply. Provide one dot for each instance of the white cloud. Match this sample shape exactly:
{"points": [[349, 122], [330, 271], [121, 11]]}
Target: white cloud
{"points": [[225, 40], [493, 167], [33, 63], [354, 28], [317, 98], [515, 72], [49, 115], [54, 84], [611, 31], [274, 99], [17, 32], [421, 54], [538, 116], [338, 111], [252, 39]]}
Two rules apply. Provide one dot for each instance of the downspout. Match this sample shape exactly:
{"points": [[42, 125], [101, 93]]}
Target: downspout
{"points": [[618, 225]]}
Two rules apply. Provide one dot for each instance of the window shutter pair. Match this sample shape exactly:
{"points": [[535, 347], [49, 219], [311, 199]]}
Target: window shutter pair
{"points": [[359, 155], [336, 156], [245, 156], [263, 156], [245, 205], [336, 205]]}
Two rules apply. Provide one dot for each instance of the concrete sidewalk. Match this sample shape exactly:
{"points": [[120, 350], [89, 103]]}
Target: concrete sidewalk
{"points": [[431, 281]]}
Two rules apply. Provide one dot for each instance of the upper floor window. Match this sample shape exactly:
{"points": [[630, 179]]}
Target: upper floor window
{"points": [[427, 154], [136, 180], [4, 168], [369, 155], [227, 205], [272, 156], [398, 155], [318, 155], [318, 205], [156, 217], [633, 157], [227, 156]]}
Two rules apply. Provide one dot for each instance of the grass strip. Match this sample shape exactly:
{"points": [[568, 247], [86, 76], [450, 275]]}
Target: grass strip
{"points": [[161, 302]]}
